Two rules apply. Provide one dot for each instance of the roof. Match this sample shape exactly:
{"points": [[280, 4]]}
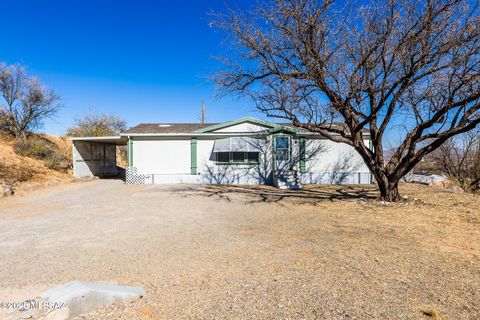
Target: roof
{"points": [[118, 140], [197, 128], [167, 127], [235, 122], [159, 128]]}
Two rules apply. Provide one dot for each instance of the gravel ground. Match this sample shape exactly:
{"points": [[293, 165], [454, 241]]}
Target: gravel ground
{"points": [[324, 252]]}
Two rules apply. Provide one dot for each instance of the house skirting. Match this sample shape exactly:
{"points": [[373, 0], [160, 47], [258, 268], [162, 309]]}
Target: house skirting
{"points": [[323, 177]]}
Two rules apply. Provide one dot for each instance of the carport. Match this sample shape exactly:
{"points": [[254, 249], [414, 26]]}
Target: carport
{"points": [[96, 156]]}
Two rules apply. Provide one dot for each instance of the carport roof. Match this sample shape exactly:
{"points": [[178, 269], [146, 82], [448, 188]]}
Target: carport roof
{"points": [[118, 140]]}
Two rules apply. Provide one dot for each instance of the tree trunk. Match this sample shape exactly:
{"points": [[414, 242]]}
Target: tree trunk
{"points": [[389, 191]]}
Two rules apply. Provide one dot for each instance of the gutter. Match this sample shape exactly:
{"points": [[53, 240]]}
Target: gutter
{"points": [[223, 134]]}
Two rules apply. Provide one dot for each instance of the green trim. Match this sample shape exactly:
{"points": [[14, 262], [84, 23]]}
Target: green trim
{"points": [[279, 129], [274, 154], [302, 155], [235, 122], [130, 151], [193, 155]]}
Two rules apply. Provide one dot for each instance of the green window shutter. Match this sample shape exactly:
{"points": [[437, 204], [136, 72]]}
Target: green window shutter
{"points": [[193, 155], [302, 155], [130, 152]]}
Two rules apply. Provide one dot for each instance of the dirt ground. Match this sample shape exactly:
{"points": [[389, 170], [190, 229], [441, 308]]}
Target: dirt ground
{"points": [[211, 252], [28, 174]]}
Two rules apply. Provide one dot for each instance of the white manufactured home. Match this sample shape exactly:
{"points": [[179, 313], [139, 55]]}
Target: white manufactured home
{"points": [[244, 151]]}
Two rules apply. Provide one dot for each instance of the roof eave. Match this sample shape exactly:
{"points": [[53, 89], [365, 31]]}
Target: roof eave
{"points": [[235, 122]]}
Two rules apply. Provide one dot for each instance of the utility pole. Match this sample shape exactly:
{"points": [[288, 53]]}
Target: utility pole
{"points": [[203, 114]]}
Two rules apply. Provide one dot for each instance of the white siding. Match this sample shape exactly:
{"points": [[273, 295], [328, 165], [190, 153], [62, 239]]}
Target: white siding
{"points": [[162, 156], [322, 155], [243, 127], [325, 163], [204, 152]]}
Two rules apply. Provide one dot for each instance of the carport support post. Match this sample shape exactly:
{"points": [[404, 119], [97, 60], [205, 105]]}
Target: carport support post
{"points": [[193, 155]]}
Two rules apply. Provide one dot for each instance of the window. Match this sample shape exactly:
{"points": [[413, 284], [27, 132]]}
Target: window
{"points": [[223, 156], [282, 148], [252, 157], [236, 157]]}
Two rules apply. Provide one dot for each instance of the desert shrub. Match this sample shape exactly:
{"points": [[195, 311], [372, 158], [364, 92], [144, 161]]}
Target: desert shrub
{"points": [[42, 149], [34, 147], [57, 161]]}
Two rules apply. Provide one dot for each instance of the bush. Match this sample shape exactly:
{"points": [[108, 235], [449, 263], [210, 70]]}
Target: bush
{"points": [[34, 147], [42, 149], [57, 161]]}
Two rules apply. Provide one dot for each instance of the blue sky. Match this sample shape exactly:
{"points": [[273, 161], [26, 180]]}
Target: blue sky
{"points": [[145, 61]]}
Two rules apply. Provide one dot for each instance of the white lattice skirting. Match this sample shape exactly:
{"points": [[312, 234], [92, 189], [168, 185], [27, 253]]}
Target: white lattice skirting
{"points": [[132, 177]]}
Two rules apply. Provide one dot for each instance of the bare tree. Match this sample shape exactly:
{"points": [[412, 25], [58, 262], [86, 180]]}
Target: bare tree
{"points": [[25, 103], [459, 158], [344, 71], [94, 125]]}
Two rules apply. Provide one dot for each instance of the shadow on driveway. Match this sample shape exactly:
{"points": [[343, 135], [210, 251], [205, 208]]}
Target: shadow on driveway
{"points": [[310, 194]]}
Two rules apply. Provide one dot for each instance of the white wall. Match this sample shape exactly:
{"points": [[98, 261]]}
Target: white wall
{"points": [[243, 127], [162, 156], [330, 153], [325, 156], [204, 151]]}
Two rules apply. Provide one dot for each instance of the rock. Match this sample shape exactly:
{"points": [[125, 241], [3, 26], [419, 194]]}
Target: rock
{"points": [[83, 297], [6, 190], [26, 315]]}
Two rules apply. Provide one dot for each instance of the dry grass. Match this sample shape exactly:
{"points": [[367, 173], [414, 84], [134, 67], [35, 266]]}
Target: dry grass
{"points": [[230, 252], [24, 172], [432, 313]]}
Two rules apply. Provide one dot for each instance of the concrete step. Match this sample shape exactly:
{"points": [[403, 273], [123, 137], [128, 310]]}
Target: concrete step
{"points": [[284, 183]]}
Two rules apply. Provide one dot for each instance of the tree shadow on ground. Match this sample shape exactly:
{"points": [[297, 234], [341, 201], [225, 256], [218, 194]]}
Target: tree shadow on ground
{"points": [[309, 194]]}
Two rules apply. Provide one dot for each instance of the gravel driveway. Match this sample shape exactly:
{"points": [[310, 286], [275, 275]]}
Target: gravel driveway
{"points": [[247, 253]]}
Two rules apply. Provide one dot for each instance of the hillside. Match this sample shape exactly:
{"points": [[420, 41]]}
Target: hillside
{"points": [[26, 173]]}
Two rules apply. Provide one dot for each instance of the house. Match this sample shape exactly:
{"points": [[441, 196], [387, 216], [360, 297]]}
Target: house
{"points": [[243, 151]]}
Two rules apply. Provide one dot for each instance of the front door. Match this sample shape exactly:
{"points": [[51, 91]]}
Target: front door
{"points": [[282, 153]]}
